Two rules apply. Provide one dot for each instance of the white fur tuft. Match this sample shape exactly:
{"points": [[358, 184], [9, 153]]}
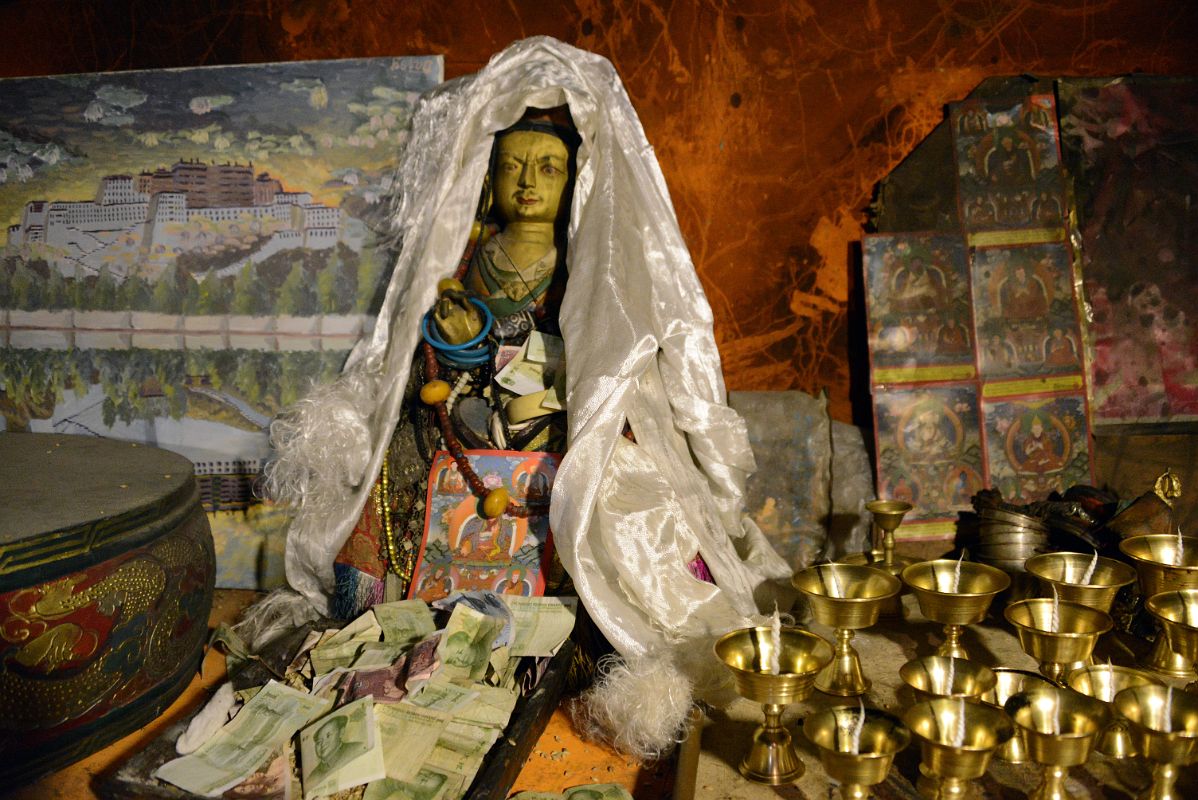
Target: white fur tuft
{"points": [[638, 705], [322, 444]]}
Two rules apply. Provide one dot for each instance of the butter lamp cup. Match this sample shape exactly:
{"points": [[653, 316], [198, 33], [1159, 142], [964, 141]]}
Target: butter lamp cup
{"points": [[947, 763], [1077, 632], [1103, 682], [1177, 613], [932, 583], [882, 736], [888, 515], [1162, 566], [1009, 682], [1059, 727], [1165, 730], [864, 590], [937, 676], [746, 652], [1064, 573]]}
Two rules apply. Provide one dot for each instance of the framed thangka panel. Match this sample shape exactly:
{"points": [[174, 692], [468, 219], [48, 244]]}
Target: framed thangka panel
{"points": [[463, 550], [187, 250], [929, 448], [1037, 445], [1010, 186], [920, 327], [1131, 145], [1026, 312]]}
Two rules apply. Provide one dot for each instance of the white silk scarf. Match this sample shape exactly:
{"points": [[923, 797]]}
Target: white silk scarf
{"points": [[626, 517]]}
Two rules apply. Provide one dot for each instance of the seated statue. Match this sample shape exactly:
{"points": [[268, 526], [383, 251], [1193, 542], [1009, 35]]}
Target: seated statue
{"points": [[647, 505]]}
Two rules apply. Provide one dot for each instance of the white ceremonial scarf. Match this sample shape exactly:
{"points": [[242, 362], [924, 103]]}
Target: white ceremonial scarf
{"points": [[626, 518]]}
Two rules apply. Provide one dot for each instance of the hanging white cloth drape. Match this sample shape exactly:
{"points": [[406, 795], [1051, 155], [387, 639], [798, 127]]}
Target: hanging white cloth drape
{"points": [[625, 517]]}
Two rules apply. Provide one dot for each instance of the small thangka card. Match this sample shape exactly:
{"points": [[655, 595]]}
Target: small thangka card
{"points": [[463, 550], [917, 291]]}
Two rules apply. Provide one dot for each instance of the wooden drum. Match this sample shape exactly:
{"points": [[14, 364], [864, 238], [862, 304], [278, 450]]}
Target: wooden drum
{"points": [[106, 577]]}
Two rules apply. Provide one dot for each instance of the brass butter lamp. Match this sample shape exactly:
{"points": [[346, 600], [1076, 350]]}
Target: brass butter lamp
{"points": [[955, 594], [956, 740], [1164, 724], [1079, 578], [848, 598], [748, 653], [1177, 612], [1164, 563], [1010, 682], [856, 746], [1103, 682], [887, 516], [1059, 727], [1070, 641], [936, 676]]}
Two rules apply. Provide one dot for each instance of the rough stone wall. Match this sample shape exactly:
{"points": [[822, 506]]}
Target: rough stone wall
{"points": [[772, 120]]}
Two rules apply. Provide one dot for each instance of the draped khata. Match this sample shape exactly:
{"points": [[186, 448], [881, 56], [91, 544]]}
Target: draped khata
{"points": [[626, 516]]}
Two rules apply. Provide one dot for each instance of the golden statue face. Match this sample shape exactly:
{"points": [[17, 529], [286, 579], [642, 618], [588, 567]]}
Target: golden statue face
{"points": [[530, 176]]}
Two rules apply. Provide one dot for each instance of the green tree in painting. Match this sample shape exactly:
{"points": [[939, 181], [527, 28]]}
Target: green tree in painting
{"points": [[368, 277], [166, 297], [56, 295], [25, 289], [212, 297], [103, 296], [135, 294], [249, 295], [295, 295]]}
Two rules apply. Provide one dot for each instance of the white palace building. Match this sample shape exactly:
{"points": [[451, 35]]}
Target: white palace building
{"points": [[148, 212]]}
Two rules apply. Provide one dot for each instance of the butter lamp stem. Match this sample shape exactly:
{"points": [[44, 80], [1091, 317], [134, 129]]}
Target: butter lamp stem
{"points": [[1164, 776], [952, 647], [1052, 784]]}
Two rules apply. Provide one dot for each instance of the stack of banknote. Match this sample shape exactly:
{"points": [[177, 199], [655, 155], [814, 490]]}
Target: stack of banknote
{"points": [[403, 703]]}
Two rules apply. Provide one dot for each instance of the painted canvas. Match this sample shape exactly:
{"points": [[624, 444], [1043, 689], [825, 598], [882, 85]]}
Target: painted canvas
{"points": [[187, 250], [464, 551], [1010, 186], [1132, 150], [920, 323], [929, 448], [1025, 310], [1037, 445]]}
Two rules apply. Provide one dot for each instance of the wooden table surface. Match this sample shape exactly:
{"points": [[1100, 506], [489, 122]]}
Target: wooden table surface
{"points": [[559, 760]]}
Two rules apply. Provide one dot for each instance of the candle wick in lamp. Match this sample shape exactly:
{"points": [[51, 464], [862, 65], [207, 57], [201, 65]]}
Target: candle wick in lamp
{"points": [[1090, 570], [859, 727], [775, 666], [1054, 624], [957, 573]]}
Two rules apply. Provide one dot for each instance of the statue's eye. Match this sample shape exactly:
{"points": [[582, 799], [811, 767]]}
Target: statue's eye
{"points": [[549, 170]]}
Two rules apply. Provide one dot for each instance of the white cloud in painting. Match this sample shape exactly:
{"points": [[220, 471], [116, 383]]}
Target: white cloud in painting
{"points": [[122, 97], [206, 103], [318, 95]]}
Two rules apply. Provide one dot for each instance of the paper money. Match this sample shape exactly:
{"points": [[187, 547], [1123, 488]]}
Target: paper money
{"points": [[429, 784], [484, 602], [300, 659], [364, 628], [460, 750], [354, 654], [341, 750], [244, 744], [492, 708], [405, 621], [423, 661], [542, 623], [442, 696], [381, 684], [272, 781], [409, 734], [465, 649]]}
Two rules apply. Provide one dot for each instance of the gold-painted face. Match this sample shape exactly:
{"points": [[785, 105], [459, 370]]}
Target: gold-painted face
{"points": [[530, 176]]}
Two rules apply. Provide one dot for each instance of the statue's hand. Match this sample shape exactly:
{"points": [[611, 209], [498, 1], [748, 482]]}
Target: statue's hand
{"points": [[457, 319]]}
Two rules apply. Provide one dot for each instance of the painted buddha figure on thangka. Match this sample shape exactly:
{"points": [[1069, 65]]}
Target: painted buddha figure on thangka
{"points": [[508, 286]]}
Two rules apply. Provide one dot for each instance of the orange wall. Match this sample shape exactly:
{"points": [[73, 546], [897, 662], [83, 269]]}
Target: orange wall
{"points": [[772, 120]]}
